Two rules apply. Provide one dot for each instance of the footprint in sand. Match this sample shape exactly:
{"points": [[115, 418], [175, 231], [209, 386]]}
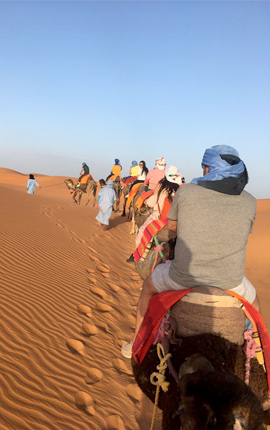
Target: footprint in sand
{"points": [[93, 376], [93, 258], [102, 307], [85, 402], [99, 292], [85, 310], [89, 330], [90, 270], [93, 280], [113, 287], [103, 269], [82, 240], [114, 422], [76, 240], [120, 366], [104, 327], [92, 250], [134, 392], [75, 346]]}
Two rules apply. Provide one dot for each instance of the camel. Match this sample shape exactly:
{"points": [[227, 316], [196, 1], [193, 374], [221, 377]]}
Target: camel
{"points": [[138, 216], [118, 189], [90, 189], [207, 390]]}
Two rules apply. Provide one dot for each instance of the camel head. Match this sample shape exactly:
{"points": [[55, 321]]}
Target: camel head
{"points": [[213, 400], [70, 184]]}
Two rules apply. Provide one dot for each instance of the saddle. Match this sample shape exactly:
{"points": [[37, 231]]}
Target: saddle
{"points": [[85, 178], [196, 311]]}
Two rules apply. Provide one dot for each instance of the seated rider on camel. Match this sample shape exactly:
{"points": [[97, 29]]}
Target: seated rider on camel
{"points": [[116, 170], [155, 175], [213, 217], [84, 171]]}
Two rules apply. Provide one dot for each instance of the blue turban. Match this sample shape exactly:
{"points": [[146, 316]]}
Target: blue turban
{"points": [[134, 163], [116, 161], [220, 168]]}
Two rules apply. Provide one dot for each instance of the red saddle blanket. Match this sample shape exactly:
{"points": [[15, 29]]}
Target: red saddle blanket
{"points": [[159, 305]]}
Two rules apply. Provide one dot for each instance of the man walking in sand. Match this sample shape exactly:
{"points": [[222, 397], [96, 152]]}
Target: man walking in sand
{"points": [[106, 199], [32, 182], [213, 217]]}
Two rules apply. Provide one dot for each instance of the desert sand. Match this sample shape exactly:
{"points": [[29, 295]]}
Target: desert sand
{"points": [[68, 302]]}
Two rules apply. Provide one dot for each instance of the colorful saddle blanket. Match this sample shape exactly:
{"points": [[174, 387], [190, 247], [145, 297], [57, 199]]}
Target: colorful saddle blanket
{"points": [[143, 197], [85, 178], [132, 193], [149, 232], [129, 180], [160, 304]]}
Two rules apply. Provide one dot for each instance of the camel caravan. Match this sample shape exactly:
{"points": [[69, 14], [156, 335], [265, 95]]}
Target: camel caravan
{"points": [[201, 352]]}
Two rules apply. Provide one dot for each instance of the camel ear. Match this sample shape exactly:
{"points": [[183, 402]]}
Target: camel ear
{"points": [[195, 363]]}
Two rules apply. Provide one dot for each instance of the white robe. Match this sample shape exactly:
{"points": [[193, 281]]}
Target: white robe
{"points": [[106, 199]]}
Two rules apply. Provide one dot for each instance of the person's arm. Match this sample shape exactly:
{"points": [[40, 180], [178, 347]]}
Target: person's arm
{"points": [[172, 225], [38, 184]]}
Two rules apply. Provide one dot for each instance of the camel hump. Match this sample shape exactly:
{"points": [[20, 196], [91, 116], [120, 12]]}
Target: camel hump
{"points": [[210, 310]]}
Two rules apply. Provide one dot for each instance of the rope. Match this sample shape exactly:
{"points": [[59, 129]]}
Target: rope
{"points": [[54, 185], [158, 250], [159, 379]]}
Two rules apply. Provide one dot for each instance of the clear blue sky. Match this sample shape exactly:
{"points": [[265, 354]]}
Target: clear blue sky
{"points": [[96, 80]]}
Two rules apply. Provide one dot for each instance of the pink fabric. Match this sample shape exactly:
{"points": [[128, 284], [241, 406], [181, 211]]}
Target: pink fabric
{"points": [[153, 177], [154, 215]]}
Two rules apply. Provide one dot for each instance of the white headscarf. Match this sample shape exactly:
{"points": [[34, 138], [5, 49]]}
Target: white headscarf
{"points": [[161, 163]]}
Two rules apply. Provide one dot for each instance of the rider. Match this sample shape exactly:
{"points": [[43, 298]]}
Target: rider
{"points": [[84, 171], [155, 175], [213, 217], [134, 169], [141, 175], [116, 170], [161, 200]]}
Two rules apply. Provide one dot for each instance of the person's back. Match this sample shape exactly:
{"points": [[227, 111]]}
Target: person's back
{"points": [[32, 182], [116, 169], [155, 175], [86, 169], [212, 233]]}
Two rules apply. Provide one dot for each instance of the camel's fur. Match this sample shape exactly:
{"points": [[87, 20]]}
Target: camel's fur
{"points": [[90, 189], [211, 393], [138, 217], [118, 189]]}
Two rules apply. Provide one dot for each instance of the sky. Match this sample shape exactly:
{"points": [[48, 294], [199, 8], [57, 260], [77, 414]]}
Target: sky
{"points": [[91, 81]]}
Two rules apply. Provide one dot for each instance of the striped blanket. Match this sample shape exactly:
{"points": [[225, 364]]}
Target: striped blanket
{"points": [[132, 193], [149, 232], [143, 197]]}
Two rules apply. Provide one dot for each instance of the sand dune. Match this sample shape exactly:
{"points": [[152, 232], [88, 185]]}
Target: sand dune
{"points": [[68, 302]]}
